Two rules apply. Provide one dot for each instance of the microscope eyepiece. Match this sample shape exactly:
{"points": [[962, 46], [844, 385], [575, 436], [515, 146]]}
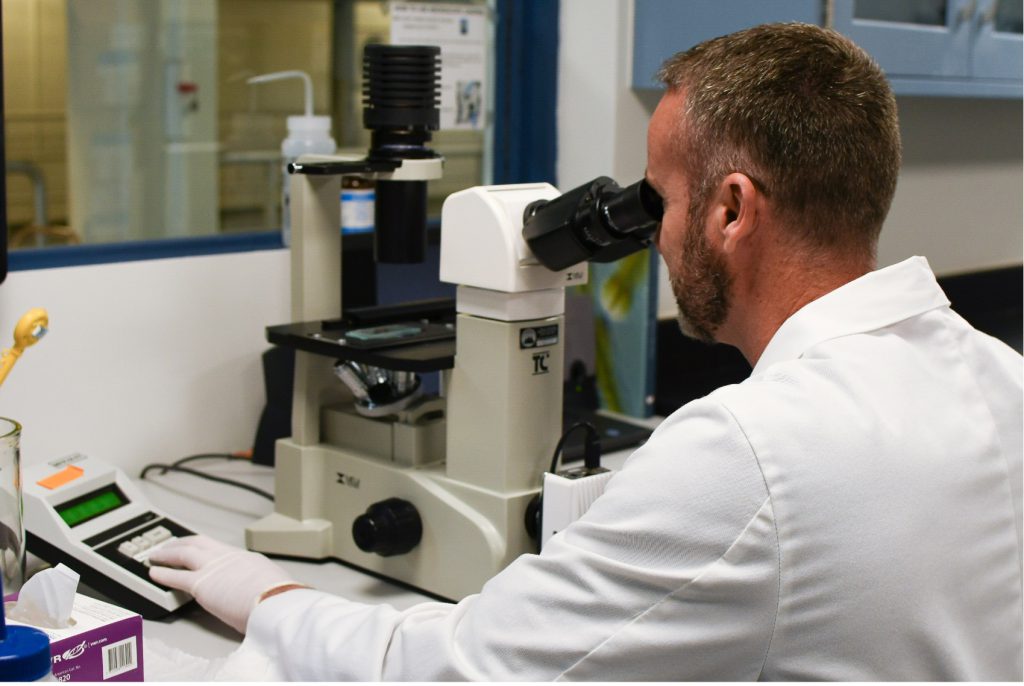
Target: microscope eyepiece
{"points": [[634, 209], [597, 222]]}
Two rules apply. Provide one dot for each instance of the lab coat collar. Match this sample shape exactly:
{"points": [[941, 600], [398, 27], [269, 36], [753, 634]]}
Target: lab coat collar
{"points": [[876, 300]]}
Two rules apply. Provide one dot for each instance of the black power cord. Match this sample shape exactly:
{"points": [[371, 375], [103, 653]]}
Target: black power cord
{"points": [[176, 467], [591, 461], [591, 446]]}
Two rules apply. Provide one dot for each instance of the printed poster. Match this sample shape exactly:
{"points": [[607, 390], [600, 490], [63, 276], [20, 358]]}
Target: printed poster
{"points": [[461, 33]]}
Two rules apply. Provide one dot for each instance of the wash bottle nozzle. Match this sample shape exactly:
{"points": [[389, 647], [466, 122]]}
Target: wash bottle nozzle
{"points": [[292, 74], [307, 134]]}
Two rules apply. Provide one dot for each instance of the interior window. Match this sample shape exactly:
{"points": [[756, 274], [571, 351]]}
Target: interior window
{"points": [[131, 120]]}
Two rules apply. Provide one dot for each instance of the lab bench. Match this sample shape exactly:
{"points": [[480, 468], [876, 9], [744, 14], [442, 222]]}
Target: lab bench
{"points": [[222, 512]]}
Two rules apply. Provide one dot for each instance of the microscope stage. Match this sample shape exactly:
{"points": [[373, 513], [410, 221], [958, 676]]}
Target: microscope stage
{"points": [[414, 346]]}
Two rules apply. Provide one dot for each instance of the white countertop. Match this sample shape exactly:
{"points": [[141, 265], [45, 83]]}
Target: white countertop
{"points": [[222, 512]]}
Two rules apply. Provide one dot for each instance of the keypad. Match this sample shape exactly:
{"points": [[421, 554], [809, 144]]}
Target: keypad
{"points": [[140, 547], [132, 550]]}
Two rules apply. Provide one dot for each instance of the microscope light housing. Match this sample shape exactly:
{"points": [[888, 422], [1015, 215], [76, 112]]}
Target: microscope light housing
{"points": [[482, 241]]}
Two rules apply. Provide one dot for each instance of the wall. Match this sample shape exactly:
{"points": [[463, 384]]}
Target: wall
{"points": [[959, 198], [144, 361]]}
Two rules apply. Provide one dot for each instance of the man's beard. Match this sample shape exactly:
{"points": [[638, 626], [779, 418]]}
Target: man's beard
{"points": [[700, 283]]}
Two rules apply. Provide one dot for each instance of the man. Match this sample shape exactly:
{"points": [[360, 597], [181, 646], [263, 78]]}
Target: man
{"points": [[852, 511]]}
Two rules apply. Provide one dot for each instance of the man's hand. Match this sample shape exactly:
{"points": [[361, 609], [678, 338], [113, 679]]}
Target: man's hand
{"points": [[225, 580]]}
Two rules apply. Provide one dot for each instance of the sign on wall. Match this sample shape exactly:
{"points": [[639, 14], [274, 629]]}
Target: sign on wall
{"points": [[461, 33]]}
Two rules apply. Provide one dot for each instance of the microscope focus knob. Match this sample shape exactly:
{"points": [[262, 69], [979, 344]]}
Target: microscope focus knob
{"points": [[390, 527]]}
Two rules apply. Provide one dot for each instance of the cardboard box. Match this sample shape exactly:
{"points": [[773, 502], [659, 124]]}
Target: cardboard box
{"points": [[104, 642]]}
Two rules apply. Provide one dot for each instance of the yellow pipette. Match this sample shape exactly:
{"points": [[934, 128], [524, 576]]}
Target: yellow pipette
{"points": [[31, 327]]}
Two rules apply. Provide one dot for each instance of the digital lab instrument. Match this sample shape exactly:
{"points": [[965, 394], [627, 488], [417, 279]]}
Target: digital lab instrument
{"points": [[431, 491], [89, 515]]}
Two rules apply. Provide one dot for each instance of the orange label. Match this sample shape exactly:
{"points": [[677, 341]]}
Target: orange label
{"points": [[58, 479]]}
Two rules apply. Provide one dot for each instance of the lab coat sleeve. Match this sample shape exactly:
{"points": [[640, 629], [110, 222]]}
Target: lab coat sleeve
{"points": [[671, 575]]}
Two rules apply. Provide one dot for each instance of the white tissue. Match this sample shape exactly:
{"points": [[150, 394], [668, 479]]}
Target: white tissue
{"points": [[46, 600]]}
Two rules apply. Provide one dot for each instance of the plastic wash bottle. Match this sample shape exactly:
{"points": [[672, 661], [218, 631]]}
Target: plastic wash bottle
{"points": [[307, 133]]}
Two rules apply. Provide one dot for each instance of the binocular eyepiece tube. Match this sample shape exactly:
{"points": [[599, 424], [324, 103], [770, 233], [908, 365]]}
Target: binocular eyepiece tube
{"points": [[597, 222]]}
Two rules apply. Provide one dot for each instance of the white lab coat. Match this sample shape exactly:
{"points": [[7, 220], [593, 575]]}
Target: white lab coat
{"points": [[850, 512]]}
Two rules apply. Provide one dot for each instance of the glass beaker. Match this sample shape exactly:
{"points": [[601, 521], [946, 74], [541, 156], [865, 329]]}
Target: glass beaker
{"points": [[12, 525]]}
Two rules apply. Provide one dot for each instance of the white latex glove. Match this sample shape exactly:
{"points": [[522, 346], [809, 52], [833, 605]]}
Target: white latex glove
{"points": [[226, 580]]}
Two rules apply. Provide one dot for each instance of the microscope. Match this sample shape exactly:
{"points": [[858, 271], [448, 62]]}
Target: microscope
{"points": [[437, 492]]}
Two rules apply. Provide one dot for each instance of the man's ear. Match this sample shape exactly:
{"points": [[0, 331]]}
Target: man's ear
{"points": [[735, 210]]}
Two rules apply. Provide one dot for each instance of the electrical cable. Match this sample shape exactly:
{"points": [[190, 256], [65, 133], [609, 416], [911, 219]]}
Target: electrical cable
{"points": [[176, 467], [591, 461], [591, 446], [206, 456]]}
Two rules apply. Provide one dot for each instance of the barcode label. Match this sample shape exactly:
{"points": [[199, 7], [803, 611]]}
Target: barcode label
{"points": [[119, 658]]}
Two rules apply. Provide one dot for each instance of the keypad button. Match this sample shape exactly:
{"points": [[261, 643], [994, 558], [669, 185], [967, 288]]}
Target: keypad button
{"points": [[157, 534], [128, 548], [143, 555]]}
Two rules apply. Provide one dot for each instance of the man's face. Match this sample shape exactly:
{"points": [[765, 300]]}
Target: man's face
{"points": [[697, 269]]}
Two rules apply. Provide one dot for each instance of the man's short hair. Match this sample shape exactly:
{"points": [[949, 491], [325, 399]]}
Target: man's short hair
{"points": [[804, 112]]}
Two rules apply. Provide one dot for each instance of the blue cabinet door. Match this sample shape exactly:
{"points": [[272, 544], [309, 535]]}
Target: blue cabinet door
{"points": [[969, 48], [999, 49], [920, 39], [662, 28]]}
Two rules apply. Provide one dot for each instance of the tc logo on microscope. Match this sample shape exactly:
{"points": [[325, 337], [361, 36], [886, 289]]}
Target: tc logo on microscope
{"points": [[540, 363]]}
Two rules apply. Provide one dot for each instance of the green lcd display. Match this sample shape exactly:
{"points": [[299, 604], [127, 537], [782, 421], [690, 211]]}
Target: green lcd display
{"points": [[91, 505]]}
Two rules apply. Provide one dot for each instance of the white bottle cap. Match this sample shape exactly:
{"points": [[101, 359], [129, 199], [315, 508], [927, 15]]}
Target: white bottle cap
{"points": [[309, 124]]}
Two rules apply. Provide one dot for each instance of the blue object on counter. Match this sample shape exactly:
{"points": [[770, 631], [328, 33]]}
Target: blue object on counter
{"points": [[24, 650]]}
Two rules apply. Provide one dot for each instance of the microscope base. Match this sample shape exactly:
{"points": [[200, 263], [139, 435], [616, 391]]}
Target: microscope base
{"points": [[469, 534]]}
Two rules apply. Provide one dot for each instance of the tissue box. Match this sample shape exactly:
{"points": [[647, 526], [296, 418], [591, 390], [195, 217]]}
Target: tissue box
{"points": [[104, 643]]}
